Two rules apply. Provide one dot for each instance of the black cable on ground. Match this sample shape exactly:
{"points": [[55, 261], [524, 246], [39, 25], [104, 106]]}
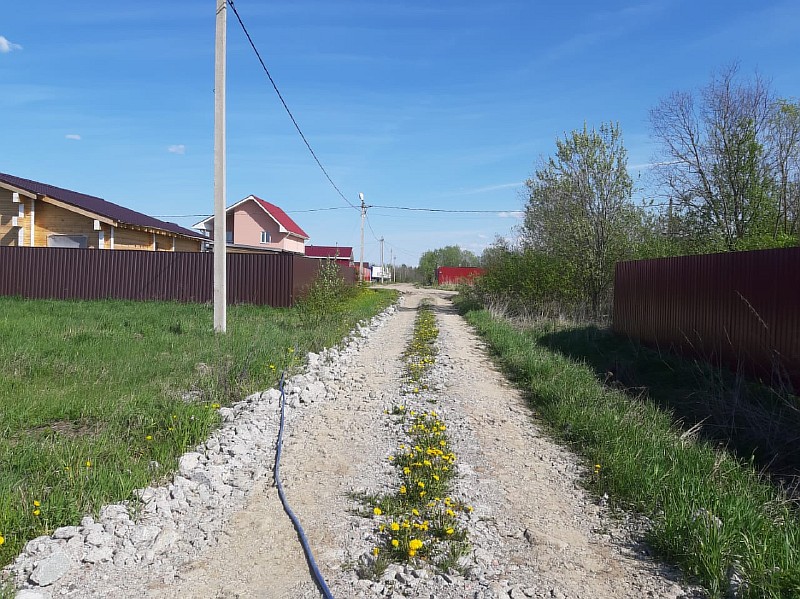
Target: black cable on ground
{"points": [[320, 580]]}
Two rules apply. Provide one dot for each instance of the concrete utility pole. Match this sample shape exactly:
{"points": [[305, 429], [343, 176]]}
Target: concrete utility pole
{"points": [[361, 258], [220, 237], [383, 271]]}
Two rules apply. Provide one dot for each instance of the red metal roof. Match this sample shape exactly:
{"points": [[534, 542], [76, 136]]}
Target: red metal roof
{"points": [[329, 251], [283, 219], [97, 206]]}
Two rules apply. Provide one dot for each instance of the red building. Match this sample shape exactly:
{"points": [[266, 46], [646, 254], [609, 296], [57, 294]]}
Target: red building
{"points": [[457, 275]]}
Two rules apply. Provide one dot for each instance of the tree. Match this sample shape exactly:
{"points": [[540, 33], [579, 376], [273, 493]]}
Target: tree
{"points": [[580, 209], [726, 162], [451, 255]]}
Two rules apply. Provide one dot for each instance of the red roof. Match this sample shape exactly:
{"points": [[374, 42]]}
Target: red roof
{"points": [[329, 251], [283, 219], [96, 205]]}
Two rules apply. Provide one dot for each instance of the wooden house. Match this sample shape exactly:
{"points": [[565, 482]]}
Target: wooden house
{"points": [[35, 214]]}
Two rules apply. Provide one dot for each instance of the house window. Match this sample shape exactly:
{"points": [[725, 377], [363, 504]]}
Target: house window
{"points": [[229, 236], [67, 241], [265, 237]]}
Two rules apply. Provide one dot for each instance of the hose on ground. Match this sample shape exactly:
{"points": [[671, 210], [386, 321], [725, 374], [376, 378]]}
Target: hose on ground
{"points": [[319, 579]]}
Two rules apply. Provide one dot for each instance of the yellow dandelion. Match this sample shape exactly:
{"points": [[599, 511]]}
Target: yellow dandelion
{"points": [[2, 539], [415, 544], [403, 490], [88, 463], [395, 542], [411, 553], [394, 526], [148, 438], [377, 511], [376, 551], [415, 511], [36, 503], [449, 531], [36, 512]]}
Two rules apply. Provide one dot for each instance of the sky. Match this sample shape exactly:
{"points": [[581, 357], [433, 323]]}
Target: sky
{"points": [[416, 104]]}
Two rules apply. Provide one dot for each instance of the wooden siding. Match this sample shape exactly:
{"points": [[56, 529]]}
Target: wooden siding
{"points": [[53, 220], [8, 210], [187, 245]]}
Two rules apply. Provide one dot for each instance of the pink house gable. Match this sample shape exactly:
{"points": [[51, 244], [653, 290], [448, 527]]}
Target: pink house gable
{"points": [[255, 223]]}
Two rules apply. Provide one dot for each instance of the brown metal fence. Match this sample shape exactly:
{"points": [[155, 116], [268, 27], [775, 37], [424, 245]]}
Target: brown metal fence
{"points": [[740, 309], [277, 280]]}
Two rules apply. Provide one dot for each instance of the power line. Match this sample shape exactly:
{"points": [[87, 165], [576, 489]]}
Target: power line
{"points": [[289, 112], [448, 210]]}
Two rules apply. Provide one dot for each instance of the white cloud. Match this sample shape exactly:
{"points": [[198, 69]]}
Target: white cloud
{"points": [[72, 136], [7, 46], [177, 149], [488, 188], [514, 214]]}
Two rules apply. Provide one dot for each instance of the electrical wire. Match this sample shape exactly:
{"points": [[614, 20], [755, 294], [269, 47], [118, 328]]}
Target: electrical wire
{"points": [[286, 107], [277, 475]]}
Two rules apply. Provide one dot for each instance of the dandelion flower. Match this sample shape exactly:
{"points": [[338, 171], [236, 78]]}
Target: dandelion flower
{"points": [[377, 511], [375, 551], [2, 539], [415, 511], [36, 512], [394, 526], [149, 438], [403, 490], [411, 553], [36, 503], [88, 463], [395, 542], [449, 531], [414, 544]]}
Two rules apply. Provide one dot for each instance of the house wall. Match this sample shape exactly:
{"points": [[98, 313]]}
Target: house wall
{"points": [[250, 219], [8, 235], [53, 220]]}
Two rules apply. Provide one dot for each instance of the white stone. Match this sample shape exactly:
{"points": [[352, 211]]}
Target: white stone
{"points": [[51, 569]]}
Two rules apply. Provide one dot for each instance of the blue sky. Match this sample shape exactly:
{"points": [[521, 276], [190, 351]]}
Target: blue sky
{"points": [[444, 104]]}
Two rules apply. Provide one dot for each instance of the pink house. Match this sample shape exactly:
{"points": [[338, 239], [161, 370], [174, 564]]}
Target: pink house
{"points": [[254, 224]]}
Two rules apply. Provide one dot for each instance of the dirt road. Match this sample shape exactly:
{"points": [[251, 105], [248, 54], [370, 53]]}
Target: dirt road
{"points": [[534, 531]]}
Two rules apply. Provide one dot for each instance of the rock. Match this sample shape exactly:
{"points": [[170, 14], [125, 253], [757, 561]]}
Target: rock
{"points": [[104, 553], [51, 569], [66, 532], [188, 462], [30, 594]]}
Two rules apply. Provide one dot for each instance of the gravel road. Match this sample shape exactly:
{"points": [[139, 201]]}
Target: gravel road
{"points": [[219, 531]]}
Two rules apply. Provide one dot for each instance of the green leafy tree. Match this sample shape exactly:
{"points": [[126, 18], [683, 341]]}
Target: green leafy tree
{"points": [[729, 163], [580, 210]]}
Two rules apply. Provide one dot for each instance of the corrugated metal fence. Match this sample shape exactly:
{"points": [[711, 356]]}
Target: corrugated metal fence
{"points": [[277, 280], [741, 309]]}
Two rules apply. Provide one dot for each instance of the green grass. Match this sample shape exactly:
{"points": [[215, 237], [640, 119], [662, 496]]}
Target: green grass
{"points": [[711, 513], [100, 398]]}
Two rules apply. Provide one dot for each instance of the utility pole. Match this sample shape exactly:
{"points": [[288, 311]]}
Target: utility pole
{"points": [[220, 237], [383, 271], [361, 258]]}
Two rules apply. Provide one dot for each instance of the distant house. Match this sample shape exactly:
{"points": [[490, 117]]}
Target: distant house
{"points": [[457, 275], [255, 225], [35, 214], [342, 254]]}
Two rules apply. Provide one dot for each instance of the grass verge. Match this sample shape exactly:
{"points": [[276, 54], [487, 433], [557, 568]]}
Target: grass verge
{"points": [[710, 512], [100, 398]]}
